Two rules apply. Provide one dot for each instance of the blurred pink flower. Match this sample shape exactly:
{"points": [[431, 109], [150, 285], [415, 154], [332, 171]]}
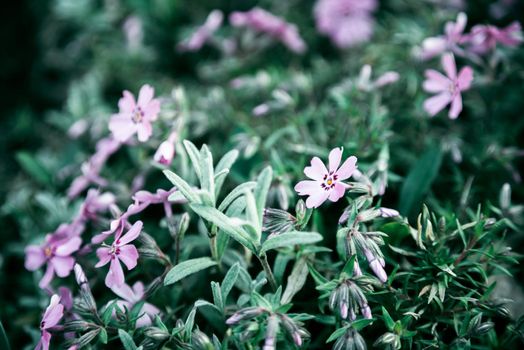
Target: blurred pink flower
{"points": [[453, 36], [346, 22], [326, 184], [484, 38], [448, 88], [135, 117], [52, 316], [92, 168], [94, 203], [263, 21], [203, 33], [166, 151], [56, 253], [120, 250], [132, 296]]}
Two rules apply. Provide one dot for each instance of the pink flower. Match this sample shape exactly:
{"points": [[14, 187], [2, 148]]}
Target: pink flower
{"points": [[326, 184], [52, 316], [263, 21], [484, 38], [94, 203], [132, 296], [346, 22], [203, 33], [56, 253], [166, 151], [448, 87], [454, 35], [135, 117], [120, 250]]}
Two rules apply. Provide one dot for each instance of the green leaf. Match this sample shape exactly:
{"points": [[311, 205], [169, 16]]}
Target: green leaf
{"points": [[337, 334], [103, 336], [33, 167], [4, 342], [187, 268], [296, 280], [419, 180], [190, 322], [225, 163], [225, 224], [217, 295], [194, 155], [390, 324], [237, 192], [126, 340], [182, 186], [261, 191], [207, 176], [230, 280], [289, 239]]}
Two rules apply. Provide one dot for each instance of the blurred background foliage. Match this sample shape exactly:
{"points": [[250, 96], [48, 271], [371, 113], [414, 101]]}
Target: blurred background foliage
{"points": [[66, 60]]}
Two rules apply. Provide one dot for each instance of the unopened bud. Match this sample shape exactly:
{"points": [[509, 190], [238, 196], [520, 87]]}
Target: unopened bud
{"points": [[300, 210], [156, 333], [201, 341], [244, 314], [366, 312], [270, 341]]}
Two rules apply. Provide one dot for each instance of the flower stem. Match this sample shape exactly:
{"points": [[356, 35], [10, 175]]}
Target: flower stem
{"points": [[267, 270]]}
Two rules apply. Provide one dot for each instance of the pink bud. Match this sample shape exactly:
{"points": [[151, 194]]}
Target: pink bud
{"points": [[165, 153]]}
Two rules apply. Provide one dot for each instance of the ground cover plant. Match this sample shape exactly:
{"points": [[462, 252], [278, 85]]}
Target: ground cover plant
{"points": [[277, 175]]}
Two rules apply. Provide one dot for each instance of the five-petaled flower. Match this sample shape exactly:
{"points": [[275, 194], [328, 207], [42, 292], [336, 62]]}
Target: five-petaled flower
{"points": [[52, 316], [56, 252], [120, 250], [448, 88], [326, 183], [135, 116]]}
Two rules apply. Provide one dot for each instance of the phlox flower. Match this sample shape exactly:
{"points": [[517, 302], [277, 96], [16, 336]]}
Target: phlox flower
{"points": [[55, 252], [263, 21], [346, 22], [135, 117], [120, 250], [326, 184], [94, 203], [453, 36], [132, 296], [448, 88], [203, 33], [484, 38], [52, 316]]}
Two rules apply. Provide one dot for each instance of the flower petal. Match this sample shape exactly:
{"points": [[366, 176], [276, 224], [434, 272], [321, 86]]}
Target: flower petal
{"points": [[115, 275], [53, 313], [145, 95], [128, 255], [45, 339], [435, 81], [103, 253], [437, 103], [48, 276], [34, 257], [317, 170], [63, 265], [145, 130], [337, 192], [308, 187], [456, 106], [316, 199], [132, 234], [465, 78], [127, 103], [152, 109], [335, 157], [69, 247], [448, 63], [347, 168], [125, 292], [122, 127]]}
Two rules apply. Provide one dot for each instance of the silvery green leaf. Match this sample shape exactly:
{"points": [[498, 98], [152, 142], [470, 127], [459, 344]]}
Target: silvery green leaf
{"points": [[181, 185], [261, 191], [190, 321], [126, 340], [207, 176], [225, 163], [187, 268], [289, 239], [235, 193], [230, 280], [194, 155], [253, 215], [225, 223], [296, 280], [217, 295]]}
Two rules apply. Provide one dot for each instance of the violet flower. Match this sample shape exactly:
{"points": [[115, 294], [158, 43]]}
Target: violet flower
{"points": [[203, 33], [132, 296], [326, 184], [484, 38], [346, 22], [448, 88], [94, 203], [135, 117], [56, 253], [265, 22], [52, 316], [453, 36], [120, 250]]}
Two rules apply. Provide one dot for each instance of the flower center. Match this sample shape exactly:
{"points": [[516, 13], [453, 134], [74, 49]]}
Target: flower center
{"points": [[138, 115], [48, 251], [329, 181], [115, 250]]}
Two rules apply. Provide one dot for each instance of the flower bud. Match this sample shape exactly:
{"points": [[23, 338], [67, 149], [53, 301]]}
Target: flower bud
{"points": [[366, 312], [201, 341], [270, 341], [165, 152], [244, 314], [156, 333], [300, 210], [376, 266]]}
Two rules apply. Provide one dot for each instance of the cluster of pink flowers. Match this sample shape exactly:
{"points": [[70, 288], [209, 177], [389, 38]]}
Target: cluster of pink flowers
{"points": [[482, 39], [265, 22], [326, 184], [203, 33], [346, 22], [447, 87]]}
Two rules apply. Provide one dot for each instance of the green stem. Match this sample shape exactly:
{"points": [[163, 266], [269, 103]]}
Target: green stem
{"points": [[269, 273]]}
